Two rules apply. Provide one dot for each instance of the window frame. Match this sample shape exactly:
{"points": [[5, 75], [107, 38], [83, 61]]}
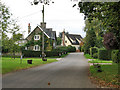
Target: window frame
{"points": [[36, 48], [37, 37]]}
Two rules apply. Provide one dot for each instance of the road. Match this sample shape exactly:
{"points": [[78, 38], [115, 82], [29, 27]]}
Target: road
{"points": [[69, 72]]}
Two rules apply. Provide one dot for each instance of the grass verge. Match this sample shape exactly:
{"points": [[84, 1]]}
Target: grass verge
{"points": [[96, 60], [99, 61], [109, 77], [10, 64]]}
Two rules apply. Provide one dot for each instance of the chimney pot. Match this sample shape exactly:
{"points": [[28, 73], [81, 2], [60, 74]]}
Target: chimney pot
{"points": [[29, 28]]}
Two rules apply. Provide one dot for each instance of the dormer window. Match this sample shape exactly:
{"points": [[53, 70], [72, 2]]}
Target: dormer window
{"points": [[37, 37], [74, 41]]}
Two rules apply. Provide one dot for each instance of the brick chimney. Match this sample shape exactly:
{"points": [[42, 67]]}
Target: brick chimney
{"points": [[29, 28], [63, 38], [43, 25]]}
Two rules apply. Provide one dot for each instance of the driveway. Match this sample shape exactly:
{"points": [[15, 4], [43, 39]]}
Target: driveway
{"points": [[69, 72]]}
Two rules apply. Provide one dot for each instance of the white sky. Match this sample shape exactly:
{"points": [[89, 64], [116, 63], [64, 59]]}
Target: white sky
{"points": [[60, 15]]}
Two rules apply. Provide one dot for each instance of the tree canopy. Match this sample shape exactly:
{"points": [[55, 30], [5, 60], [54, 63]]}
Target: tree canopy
{"points": [[106, 12]]}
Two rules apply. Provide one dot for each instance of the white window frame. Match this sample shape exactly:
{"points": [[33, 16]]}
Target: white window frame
{"points": [[36, 48], [37, 37]]}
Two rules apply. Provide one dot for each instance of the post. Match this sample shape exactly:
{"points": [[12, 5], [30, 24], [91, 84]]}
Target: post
{"points": [[43, 13], [43, 36]]}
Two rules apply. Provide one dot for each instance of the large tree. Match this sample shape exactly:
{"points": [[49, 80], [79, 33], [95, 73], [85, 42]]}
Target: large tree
{"points": [[107, 12], [96, 26], [9, 26]]}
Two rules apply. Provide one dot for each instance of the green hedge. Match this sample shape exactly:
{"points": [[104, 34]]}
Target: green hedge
{"points": [[104, 54], [115, 56], [93, 50], [65, 49], [95, 55], [55, 52], [29, 53]]}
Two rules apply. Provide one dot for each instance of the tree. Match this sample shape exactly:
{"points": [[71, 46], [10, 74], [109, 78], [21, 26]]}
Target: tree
{"points": [[110, 41], [96, 26], [10, 26], [107, 12], [90, 40], [59, 40], [13, 44]]}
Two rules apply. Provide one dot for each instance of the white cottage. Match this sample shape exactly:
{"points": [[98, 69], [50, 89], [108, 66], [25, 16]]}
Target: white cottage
{"points": [[71, 39]]}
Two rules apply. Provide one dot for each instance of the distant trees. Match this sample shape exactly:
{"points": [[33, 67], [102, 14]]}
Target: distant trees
{"points": [[10, 26]]}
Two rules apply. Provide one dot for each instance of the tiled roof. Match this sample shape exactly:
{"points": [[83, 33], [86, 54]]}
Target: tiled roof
{"points": [[48, 32], [73, 38]]}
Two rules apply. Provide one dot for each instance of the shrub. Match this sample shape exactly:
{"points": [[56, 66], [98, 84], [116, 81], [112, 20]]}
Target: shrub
{"points": [[93, 50], [64, 49], [71, 49], [95, 55], [104, 54], [29, 53], [115, 56], [82, 49], [86, 49]]}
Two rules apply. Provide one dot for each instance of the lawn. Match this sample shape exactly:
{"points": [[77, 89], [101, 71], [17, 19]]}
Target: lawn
{"points": [[10, 64], [96, 60], [110, 74], [99, 61]]}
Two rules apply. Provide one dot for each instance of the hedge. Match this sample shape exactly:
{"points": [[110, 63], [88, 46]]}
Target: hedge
{"points": [[93, 50], [104, 54], [55, 52], [115, 56], [65, 49], [29, 53]]}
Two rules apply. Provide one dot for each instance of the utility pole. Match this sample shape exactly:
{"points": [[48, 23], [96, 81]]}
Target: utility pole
{"points": [[45, 2], [43, 54]]}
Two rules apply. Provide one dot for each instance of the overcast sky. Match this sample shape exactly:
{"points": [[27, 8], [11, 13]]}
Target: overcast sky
{"points": [[60, 15]]}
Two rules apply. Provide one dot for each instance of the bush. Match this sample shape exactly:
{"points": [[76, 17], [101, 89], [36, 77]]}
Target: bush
{"points": [[95, 55], [65, 49], [71, 49], [93, 50], [29, 53], [115, 56], [104, 54], [82, 49]]}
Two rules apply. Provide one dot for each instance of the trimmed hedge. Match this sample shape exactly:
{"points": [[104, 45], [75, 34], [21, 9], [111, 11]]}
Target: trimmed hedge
{"points": [[115, 56], [95, 55], [55, 52], [104, 54], [29, 53], [93, 50]]}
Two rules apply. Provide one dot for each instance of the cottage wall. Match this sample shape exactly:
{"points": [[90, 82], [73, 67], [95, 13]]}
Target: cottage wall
{"points": [[36, 32]]}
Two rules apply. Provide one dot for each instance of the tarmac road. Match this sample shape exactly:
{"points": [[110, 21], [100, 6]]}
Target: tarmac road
{"points": [[69, 72]]}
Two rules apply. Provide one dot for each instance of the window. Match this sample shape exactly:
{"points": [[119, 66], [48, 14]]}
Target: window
{"points": [[26, 48], [37, 37], [37, 48], [74, 41]]}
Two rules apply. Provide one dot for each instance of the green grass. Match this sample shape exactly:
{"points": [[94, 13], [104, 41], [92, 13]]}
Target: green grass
{"points": [[109, 74], [99, 61], [10, 64], [88, 56], [96, 60]]}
